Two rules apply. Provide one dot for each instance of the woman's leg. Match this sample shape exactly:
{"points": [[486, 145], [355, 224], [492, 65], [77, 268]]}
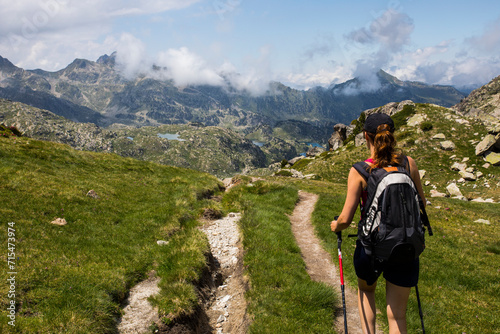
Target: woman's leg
{"points": [[366, 305], [397, 300]]}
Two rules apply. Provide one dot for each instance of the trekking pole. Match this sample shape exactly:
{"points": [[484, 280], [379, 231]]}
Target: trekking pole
{"points": [[339, 243], [420, 309]]}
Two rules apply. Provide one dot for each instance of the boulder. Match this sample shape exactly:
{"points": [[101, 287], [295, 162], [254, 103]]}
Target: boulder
{"points": [[453, 190], [416, 119], [488, 143], [315, 151], [447, 145], [435, 193], [439, 136], [338, 137], [467, 176], [458, 166], [492, 158]]}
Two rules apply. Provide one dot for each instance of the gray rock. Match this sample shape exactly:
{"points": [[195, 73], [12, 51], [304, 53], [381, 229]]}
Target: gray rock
{"points": [[315, 151], [492, 158], [435, 193], [439, 136], [416, 119], [487, 143], [447, 145], [482, 221], [92, 194], [59, 221], [458, 167], [467, 176], [453, 190], [162, 243]]}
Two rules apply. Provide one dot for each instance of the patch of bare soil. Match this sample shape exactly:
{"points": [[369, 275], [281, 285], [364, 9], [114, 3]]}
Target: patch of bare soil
{"points": [[319, 263], [139, 314], [226, 310]]}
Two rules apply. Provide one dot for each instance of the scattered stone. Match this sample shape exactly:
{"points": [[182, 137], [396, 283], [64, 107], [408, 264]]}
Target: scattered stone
{"points": [[486, 165], [461, 180], [439, 136], [416, 119], [458, 167], [479, 175], [422, 173], [465, 159], [447, 145], [315, 151], [435, 193], [92, 194], [59, 221], [427, 183], [453, 190], [482, 221], [470, 170], [294, 160], [487, 143], [338, 137], [467, 176], [162, 242], [492, 158], [481, 200]]}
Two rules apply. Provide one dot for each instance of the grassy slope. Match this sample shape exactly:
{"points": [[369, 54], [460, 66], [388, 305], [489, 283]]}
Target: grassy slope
{"points": [[459, 284], [72, 279]]}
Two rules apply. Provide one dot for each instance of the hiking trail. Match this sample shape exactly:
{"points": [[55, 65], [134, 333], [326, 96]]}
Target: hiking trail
{"points": [[319, 263]]}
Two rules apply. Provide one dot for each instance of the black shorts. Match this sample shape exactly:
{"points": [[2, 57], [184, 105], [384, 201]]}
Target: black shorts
{"points": [[402, 275]]}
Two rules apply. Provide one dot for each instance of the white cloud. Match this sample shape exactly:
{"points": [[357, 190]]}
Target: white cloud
{"points": [[488, 42], [389, 33], [57, 31], [187, 68]]}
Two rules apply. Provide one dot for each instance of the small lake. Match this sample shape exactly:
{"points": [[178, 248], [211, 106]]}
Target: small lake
{"points": [[170, 136], [258, 143]]}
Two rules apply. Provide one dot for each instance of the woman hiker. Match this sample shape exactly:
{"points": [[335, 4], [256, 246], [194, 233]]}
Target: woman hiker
{"points": [[379, 135]]}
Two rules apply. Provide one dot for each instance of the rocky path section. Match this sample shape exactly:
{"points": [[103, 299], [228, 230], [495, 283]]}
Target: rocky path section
{"points": [[139, 314], [227, 307], [319, 263]]}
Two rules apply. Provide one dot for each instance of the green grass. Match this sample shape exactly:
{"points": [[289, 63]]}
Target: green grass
{"points": [[74, 278], [282, 298], [459, 284]]}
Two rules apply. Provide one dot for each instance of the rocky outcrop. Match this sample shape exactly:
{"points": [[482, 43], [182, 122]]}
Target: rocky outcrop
{"points": [[390, 108], [339, 135]]}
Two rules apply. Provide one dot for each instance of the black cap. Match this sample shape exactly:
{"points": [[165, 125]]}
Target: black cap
{"points": [[374, 120]]}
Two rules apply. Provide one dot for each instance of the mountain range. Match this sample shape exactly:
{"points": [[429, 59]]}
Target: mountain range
{"points": [[97, 92]]}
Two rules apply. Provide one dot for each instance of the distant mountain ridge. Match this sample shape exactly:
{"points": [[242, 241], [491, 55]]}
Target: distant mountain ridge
{"points": [[88, 91]]}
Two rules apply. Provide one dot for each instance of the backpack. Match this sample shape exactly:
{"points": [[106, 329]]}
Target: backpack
{"points": [[392, 219]]}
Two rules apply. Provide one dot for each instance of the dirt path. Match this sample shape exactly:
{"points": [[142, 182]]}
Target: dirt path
{"points": [[226, 310], [319, 263]]}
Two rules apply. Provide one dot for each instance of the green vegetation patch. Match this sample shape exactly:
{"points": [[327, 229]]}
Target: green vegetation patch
{"points": [[74, 278]]}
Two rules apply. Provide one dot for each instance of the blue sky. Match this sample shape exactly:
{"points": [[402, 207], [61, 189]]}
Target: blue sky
{"points": [[300, 43]]}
